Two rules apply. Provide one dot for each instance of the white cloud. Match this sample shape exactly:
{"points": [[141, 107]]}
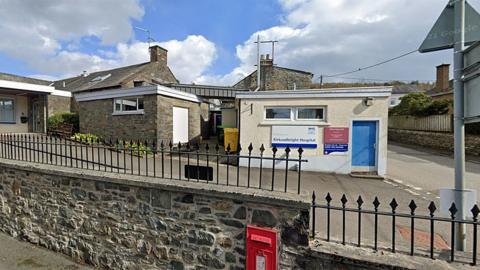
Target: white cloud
{"points": [[328, 37], [47, 35]]}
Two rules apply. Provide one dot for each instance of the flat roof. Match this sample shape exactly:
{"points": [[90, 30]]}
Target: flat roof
{"points": [[136, 91], [319, 93], [35, 88]]}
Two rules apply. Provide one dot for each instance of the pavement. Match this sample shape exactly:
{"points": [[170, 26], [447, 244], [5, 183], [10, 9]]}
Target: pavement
{"points": [[19, 255]]}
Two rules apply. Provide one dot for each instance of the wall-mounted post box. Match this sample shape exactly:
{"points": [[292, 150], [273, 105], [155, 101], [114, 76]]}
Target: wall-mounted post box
{"points": [[261, 248]]}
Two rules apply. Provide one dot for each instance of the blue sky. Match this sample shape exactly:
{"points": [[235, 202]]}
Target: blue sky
{"points": [[211, 41]]}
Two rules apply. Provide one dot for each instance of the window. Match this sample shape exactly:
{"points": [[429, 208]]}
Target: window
{"points": [[310, 113], [278, 113], [128, 105], [7, 110]]}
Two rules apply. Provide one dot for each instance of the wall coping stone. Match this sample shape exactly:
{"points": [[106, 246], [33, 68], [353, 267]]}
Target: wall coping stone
{"points": [[274, 198], [367, 258]]}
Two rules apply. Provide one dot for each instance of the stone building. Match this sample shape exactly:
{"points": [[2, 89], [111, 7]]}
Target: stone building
{"points": [[273, 77], [153, 113]]}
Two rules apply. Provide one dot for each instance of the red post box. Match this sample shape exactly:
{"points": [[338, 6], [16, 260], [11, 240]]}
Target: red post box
{"points": [[261, 248]]}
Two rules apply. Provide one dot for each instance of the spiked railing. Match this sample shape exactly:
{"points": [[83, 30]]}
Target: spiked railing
{"points": [[432, 219], [182, 161]]}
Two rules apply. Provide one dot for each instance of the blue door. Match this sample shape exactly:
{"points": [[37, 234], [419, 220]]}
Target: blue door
{"points": [[364, 139]]}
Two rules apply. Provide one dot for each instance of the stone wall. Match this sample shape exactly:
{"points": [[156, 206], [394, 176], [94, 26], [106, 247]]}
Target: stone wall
{"points": [[116, 221], [58, 104], [96, 118], [434, 140], [165, 119]]}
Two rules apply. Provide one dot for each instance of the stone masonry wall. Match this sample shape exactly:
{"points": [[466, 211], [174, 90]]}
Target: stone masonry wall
{"points": [[115, 221], [57, 104], [434, 140], [275, 78], [96, 117], [165, 118]]}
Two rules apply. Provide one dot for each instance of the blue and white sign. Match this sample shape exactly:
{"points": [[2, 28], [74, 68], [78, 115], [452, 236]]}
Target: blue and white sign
{"points": [[332, 148], [294, 136]]}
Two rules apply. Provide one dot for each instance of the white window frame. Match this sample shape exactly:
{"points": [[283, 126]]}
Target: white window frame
{"points": [[121, 112], [278, 119], [324, 108], [14, 111]]}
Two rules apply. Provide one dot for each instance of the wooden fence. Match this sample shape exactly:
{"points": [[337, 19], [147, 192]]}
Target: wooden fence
{"points": [[435, 123]]}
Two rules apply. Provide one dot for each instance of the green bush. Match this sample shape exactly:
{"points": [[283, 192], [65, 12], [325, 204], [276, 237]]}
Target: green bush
{"points": [[57, 119], [420, 104]]}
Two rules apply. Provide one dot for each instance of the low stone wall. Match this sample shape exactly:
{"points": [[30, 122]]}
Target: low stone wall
{"points": [[129, 222], [434, 140]]}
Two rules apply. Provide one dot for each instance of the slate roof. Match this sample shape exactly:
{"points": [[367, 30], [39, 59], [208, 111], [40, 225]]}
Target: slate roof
{"points": [[106, 79], [22, 79]]}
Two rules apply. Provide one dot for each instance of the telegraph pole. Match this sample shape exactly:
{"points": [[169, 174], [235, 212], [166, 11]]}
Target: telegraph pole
{"points": [[258, 42], [459, 123]]}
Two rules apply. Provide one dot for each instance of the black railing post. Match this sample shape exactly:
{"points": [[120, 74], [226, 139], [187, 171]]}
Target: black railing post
{"points": [[179, 160], [138, 157], [207, 154], [359, 205], [393, 205], [197, 152], [274, 152], [344, 202], [228, 162], [412, 207], [217, 148], [154, 147], [117, 149], [300, 151], [188, 159], [313, 214], [146, 158], [453, 210], [328, 198], [287, 156], [432, 208], [262, 149], [162, 149], [475, 211], [239, 149], [376, 203], [250, 148], [170, 153]]}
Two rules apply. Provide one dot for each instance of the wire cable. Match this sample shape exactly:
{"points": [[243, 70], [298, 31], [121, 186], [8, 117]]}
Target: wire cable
{"points": [[374, 65]]}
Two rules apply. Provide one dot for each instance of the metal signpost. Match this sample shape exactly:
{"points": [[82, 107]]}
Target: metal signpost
{"points": [[457, 26]]}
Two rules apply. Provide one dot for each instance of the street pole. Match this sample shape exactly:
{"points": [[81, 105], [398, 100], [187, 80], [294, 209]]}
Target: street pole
{"points": [[459, 124]]}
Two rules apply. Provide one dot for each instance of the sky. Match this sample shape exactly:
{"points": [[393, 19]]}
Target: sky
{"points": [[212, 41]]}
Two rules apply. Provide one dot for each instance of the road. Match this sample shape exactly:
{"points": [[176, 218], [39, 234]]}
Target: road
{"points": [[424, 172]]}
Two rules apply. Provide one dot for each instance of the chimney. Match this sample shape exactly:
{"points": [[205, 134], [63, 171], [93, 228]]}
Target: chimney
{"points": [[158, 54], [266, 61], [443, 77]]}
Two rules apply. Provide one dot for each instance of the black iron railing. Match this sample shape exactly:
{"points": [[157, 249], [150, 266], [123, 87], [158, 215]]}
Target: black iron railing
{"points": [[452, 221], [187, 162]]}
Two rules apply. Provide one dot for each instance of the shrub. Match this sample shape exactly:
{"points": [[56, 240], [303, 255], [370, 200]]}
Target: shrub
{"points": [[420, 104], [57, 119], [136, 148]]}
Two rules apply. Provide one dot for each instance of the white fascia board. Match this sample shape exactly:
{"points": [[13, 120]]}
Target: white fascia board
{"points": [[26, 86], [319, 93], [61, 93], [136, 91]]}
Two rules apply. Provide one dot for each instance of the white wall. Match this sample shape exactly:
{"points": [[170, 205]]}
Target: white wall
{"points": [[340, 112], [21, 109]]}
